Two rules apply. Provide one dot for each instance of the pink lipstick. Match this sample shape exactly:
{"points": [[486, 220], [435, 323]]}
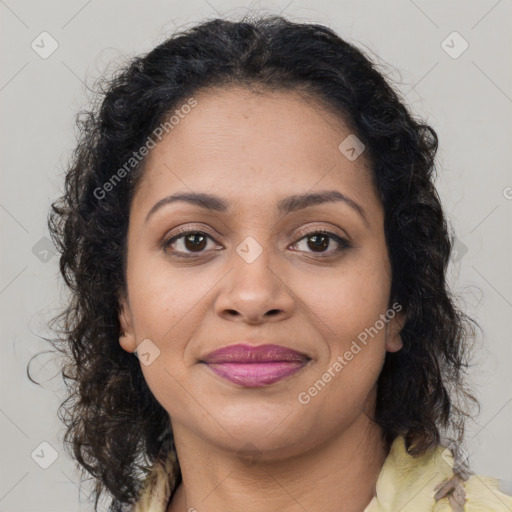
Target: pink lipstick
{"points": [[252, 366]]}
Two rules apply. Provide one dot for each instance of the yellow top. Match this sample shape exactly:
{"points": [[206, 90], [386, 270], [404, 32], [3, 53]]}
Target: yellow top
{"points": [[405, 484]]}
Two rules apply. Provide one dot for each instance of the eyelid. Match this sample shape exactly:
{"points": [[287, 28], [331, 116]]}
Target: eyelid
{"points": [[300, 233], [321, 229], [188, 228]]}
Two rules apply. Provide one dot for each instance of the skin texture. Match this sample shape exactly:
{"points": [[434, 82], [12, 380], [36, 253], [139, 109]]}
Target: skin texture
{"points": [[254, 150]]}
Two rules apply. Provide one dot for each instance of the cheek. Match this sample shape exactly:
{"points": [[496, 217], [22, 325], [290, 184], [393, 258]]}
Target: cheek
{"points": [[350, 298], [354, 333], [162, 298]]}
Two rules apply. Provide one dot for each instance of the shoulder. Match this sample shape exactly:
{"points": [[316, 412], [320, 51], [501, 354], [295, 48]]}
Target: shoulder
{"points": [[484, 494], [158, 485], [427, 483]]}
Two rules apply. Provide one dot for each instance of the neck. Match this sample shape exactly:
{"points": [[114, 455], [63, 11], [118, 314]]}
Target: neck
{"points": [[339, 474]]}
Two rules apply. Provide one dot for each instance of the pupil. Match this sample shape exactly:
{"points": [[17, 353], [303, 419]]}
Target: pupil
{"points": [[323, 245], [194, 246]]}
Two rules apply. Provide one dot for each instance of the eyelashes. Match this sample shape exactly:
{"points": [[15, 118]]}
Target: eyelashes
{"points": [[322, 239]]}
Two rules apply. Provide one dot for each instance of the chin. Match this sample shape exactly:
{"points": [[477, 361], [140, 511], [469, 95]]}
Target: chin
{"points": [[273, 432]]}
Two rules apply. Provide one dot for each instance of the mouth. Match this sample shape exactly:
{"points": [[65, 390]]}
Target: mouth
{"points": [[255, 366]]}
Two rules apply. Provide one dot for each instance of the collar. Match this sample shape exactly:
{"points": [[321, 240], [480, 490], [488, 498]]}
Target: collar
{"points": [[426, 483]]}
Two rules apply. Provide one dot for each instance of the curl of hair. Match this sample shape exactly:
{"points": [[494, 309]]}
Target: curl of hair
{"points": [[115, 426]]}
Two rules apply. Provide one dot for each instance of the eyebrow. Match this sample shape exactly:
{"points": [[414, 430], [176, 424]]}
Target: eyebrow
{"points": [[287, 205]]}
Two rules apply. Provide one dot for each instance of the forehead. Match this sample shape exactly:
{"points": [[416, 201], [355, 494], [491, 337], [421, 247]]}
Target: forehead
{"points": [[237, 119], [236, 140]]}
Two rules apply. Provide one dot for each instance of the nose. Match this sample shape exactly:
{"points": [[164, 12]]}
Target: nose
{"points": [[254, 292]]}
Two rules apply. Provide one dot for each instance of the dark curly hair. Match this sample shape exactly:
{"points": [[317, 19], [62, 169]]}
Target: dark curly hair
{"points": [[115, 426]]}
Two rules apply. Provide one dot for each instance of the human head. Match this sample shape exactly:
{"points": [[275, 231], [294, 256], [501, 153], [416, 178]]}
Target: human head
{"points": [[90, 225]]}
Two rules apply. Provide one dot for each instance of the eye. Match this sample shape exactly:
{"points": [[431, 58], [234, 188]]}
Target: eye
{"points": [[192, 241], [320, 240]]}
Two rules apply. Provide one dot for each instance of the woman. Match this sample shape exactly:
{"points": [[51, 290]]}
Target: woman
{"points": [[259, 317]]}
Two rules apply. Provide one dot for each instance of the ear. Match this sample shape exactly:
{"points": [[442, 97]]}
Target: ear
{"points": [[127, 336], [393, 328]]}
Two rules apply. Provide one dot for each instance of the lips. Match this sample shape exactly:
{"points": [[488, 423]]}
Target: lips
{"points": [[243, 353], [255, 366]]}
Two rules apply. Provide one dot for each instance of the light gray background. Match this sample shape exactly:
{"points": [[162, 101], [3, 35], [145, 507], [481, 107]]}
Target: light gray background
{"points": [[467, 99]]}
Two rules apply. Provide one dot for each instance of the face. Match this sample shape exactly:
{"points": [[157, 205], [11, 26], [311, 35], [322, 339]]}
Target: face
{"points": [[258, 268]]}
